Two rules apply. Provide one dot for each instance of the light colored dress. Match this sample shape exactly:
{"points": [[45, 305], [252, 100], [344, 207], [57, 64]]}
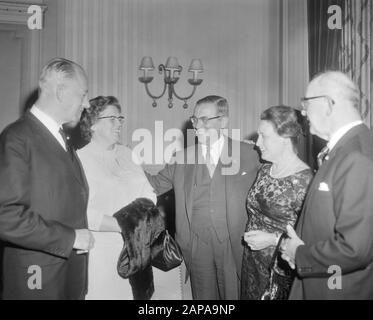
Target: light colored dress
{"points": [[114, 181]]}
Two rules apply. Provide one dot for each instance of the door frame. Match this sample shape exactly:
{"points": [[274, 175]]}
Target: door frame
{"points": [[13, 17]]}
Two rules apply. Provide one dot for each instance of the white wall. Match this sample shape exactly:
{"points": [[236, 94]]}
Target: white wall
{"points": [[254, 52], [237, 40]]}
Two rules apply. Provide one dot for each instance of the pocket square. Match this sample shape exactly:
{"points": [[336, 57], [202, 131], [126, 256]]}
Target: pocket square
{"points": [[323, 187], [244, 173]]}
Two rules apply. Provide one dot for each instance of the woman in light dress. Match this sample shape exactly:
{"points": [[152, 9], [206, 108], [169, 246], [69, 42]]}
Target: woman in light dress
{"points": [[114, 180]]}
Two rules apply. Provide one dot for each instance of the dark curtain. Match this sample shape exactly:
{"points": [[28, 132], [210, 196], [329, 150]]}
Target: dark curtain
{"points": [[324, 46]]}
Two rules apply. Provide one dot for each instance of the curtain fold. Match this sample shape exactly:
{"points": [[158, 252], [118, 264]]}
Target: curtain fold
{"points": [[356, 58], [324, 49]]}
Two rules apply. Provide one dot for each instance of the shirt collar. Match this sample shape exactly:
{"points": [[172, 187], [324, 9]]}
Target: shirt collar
{"points": [[336, 136], [46, 120]]}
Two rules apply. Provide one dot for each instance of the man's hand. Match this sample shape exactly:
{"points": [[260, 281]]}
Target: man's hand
{"points": [[84, 241], [259, 240], [289, 246]]}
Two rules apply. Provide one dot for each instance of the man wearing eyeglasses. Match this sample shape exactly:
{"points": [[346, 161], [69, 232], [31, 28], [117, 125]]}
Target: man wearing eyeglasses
{"points": [[332, 248], [210, 201]]}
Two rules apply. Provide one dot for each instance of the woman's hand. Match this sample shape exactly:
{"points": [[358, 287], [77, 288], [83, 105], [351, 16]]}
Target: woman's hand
{"points": [[259, 240]]}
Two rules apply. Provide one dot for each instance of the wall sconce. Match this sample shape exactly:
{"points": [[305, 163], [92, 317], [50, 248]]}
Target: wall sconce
{"points": [[169, 70]]}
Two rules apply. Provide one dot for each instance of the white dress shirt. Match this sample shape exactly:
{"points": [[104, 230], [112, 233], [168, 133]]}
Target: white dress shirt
{"points": [[336, 136], [50, 124], [215, 150]]}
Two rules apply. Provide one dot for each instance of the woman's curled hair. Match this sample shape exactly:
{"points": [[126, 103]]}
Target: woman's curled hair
{"points": [[90, 116], [285, 122]]}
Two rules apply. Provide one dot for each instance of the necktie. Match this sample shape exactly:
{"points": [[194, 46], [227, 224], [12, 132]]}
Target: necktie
{"points": [[322, 155], [74, 160], [67, 144], [209, 163]]}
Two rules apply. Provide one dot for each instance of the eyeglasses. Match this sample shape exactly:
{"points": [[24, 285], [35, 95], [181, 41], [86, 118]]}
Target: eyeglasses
{"points": [[194, 120], [304, 102], [113, 118]]}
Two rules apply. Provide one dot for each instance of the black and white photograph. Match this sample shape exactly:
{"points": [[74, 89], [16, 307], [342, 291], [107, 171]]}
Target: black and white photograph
{"points": [[204, 152]]}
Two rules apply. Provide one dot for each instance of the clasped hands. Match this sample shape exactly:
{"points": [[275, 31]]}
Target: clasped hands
{"points": [[259, 240]]}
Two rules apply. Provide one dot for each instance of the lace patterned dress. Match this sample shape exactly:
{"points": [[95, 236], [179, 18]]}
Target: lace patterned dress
{"points": [[272, 204]]}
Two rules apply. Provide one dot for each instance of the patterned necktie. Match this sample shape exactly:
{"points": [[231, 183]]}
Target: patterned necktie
{"points": [[322, 155]]}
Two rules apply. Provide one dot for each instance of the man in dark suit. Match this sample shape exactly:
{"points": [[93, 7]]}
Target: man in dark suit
{"points": [[211, 181], [333, 254], [43, 193]]}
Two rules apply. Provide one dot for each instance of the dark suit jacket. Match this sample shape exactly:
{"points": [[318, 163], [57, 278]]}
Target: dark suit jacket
{"points": [[337, 223], [180, 176], [43, 198]]}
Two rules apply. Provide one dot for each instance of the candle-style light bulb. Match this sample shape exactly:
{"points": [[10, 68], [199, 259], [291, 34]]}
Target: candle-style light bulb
{"points": [[146, 65], [172, 65], [196, 67]]}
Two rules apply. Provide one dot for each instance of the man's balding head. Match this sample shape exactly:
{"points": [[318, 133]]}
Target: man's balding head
{"points": [[338, 86], [332, 101], [59, 70], [63, 90]]}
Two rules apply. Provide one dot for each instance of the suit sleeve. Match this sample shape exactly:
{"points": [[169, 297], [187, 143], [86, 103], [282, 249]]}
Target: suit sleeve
{"points": [[351, 245], [163, 181], [20, 224]]}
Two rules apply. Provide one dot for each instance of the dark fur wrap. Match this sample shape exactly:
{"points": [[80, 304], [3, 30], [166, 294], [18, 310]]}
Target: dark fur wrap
{"points": [[141, 224]]}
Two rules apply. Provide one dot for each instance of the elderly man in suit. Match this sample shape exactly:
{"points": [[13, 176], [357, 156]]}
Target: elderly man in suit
{"points": [[211, 180], [43, 193], [332, 249]]}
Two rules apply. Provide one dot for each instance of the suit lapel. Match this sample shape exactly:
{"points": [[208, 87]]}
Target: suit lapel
{"points": [[190, 166], [193, 158], [321, 173], [81, 173], [226, 162], [58, 149], [343, 141]]}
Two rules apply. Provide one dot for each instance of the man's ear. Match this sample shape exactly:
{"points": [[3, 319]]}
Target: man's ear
{"points": [[329, 109], [331, 106], [60, 92]]}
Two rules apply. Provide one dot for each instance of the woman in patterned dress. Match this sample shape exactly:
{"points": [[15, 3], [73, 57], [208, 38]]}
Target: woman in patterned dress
{"points": [[275, 199]]}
